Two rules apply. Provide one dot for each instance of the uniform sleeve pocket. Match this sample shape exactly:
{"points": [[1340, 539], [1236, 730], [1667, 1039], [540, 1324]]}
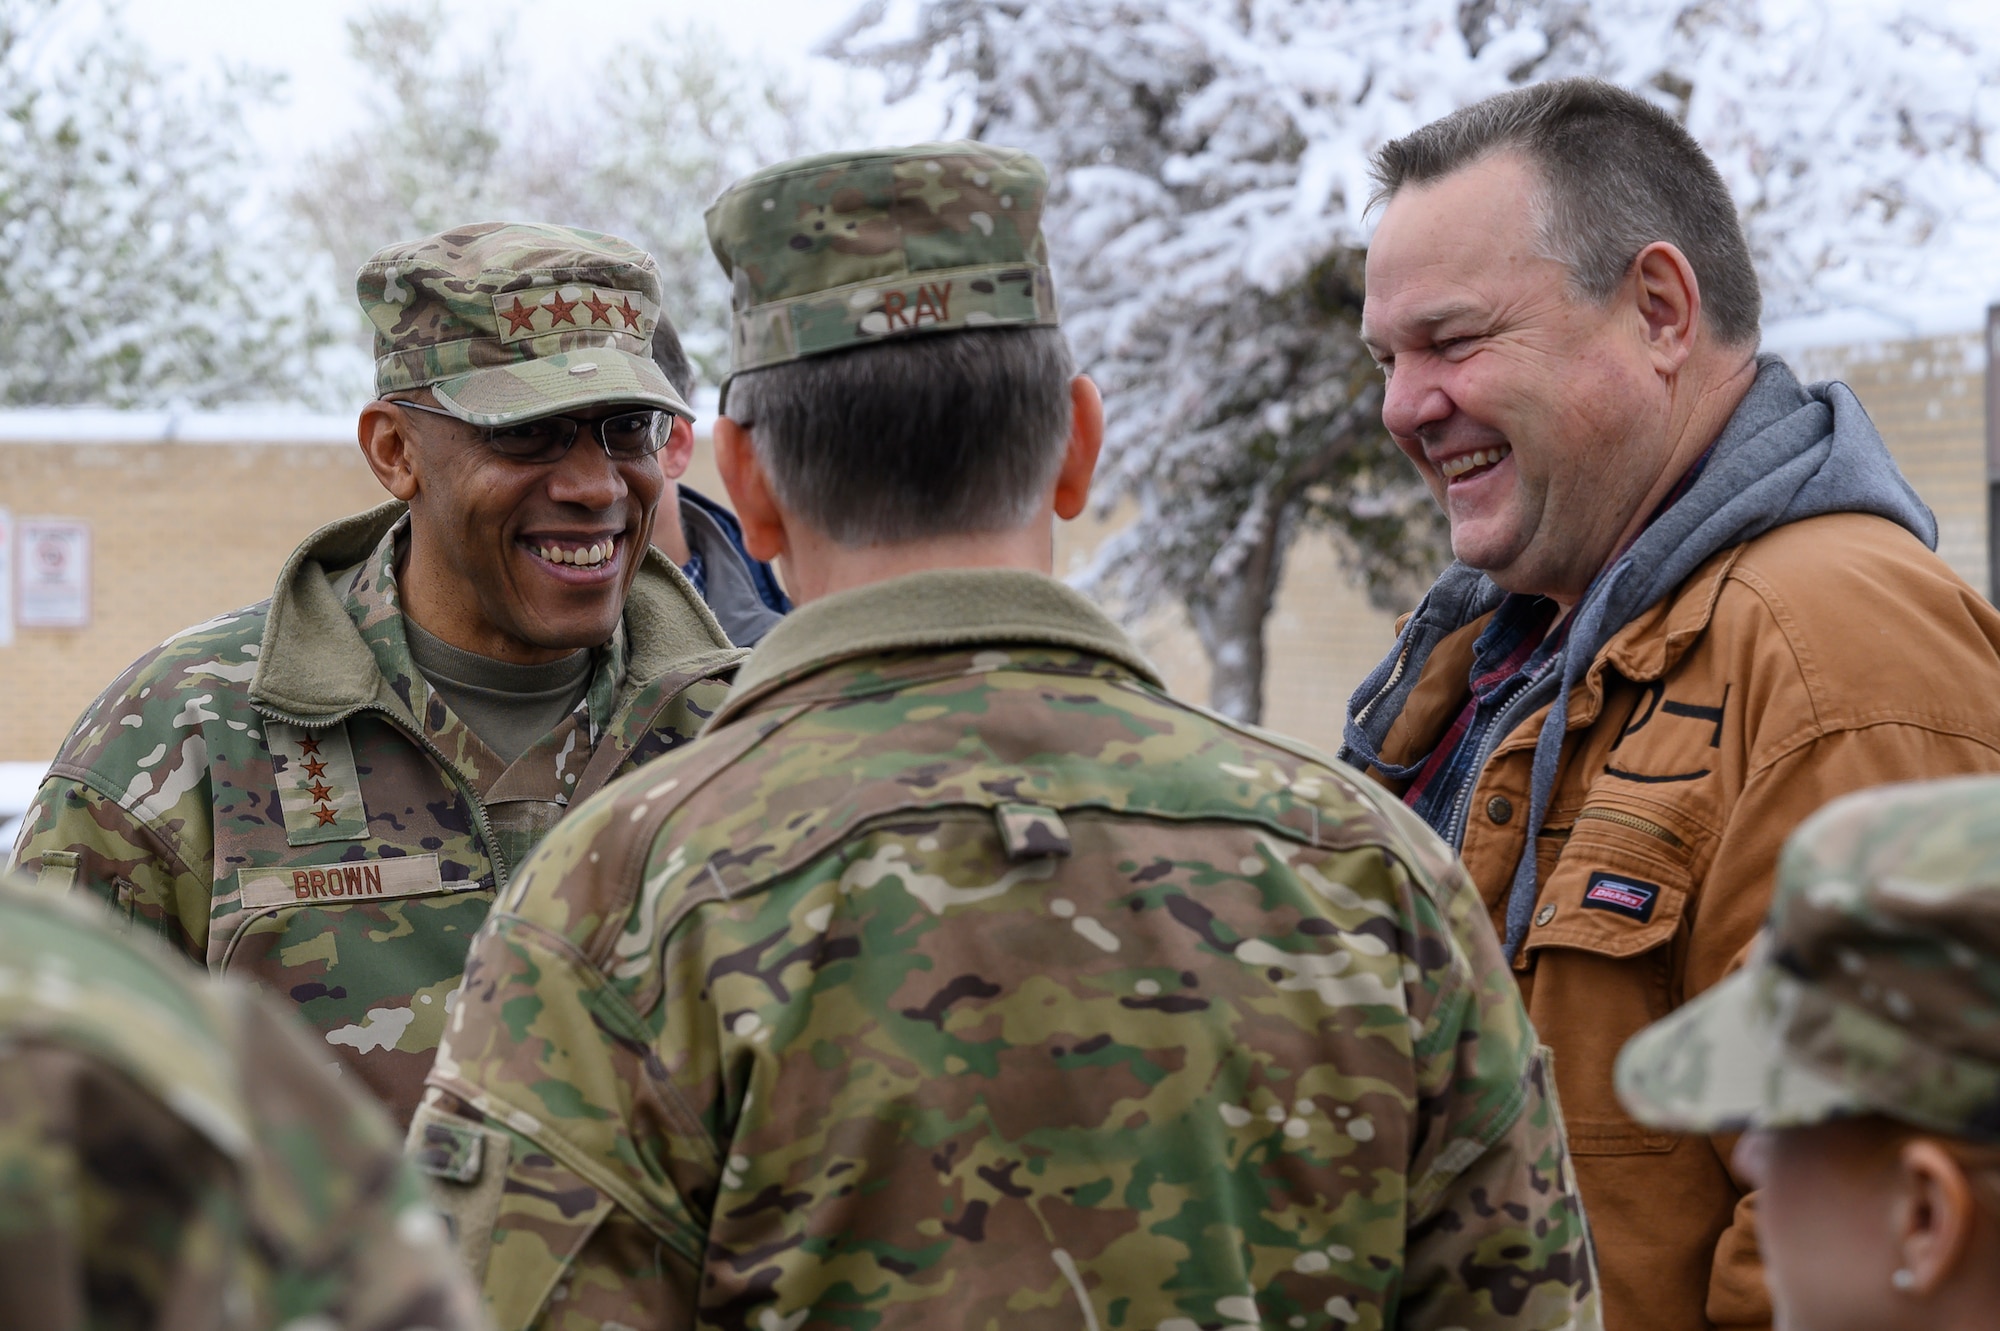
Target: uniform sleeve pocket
{"points": [[58, 870], [1600, 949], [464, 1171]]}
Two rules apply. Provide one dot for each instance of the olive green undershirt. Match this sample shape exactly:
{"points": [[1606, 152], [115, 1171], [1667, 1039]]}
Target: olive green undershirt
{"points": [[508, 706]]}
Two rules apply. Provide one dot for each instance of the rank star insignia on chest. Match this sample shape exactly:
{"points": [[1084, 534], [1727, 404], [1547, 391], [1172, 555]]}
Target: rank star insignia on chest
{"points": [[319, 788]]}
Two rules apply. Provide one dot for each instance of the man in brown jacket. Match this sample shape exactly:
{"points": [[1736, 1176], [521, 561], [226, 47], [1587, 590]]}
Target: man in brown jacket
{"points": [[1716, 571]]}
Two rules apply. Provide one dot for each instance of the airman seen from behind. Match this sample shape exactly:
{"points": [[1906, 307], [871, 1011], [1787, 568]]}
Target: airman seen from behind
{"points": [[323, 791], [958, 975]]}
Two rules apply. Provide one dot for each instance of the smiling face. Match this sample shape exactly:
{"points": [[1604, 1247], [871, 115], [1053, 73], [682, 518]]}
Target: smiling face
{"points": [[1536, 417], [523, 562]]}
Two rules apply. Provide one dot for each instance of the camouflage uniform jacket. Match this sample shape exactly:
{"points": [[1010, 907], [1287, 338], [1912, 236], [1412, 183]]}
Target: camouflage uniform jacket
{"points": [[958, 976], [174, 1156], [281, 793]]}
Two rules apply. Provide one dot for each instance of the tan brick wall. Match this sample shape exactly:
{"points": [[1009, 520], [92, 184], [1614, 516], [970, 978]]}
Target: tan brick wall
{"points": [[179, 533], [184, 531], [1928, 398]]}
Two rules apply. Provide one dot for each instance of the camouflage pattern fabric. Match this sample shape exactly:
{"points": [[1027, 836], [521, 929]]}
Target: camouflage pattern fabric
{"points": [[1874, 987], [174, 1156], [845, 249], [507, 321], [282, 795], [957, 976]]}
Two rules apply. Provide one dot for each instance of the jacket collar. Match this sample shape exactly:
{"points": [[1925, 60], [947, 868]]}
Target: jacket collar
{"points": [[316, 660], [942, 610]]}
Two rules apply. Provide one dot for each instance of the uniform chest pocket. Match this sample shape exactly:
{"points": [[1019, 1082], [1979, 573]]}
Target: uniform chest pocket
{"points": [[1601, 952], [367, 951]]}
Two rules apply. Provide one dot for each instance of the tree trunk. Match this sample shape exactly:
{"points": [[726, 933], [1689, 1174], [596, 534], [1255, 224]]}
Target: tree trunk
{"points": [[1229, 620], [1231, 609]]}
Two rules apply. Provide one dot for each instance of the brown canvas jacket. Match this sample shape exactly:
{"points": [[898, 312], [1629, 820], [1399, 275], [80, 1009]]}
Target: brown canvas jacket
{"points": [[1825, 656]]}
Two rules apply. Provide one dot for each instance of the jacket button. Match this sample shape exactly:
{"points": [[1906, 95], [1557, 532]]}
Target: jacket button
{"points": [[1499, 808], [1546, 913]]}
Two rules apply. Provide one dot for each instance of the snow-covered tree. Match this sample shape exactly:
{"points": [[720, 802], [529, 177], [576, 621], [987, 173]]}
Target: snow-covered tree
{"points": [[670, 117], [128, 276], [1209, 220]]}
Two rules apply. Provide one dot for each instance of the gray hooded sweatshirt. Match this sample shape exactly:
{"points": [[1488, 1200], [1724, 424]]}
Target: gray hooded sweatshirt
{"points": [[1789, 452]]}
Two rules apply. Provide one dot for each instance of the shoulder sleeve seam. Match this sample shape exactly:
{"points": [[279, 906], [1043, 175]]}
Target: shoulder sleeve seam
{"points": [[162, 846], [1817, 733], [546, 1134], [1460, 1155]]}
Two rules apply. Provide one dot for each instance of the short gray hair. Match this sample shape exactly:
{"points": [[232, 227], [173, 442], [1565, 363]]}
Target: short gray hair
{"points": [[1617, 175], [944, 434]]}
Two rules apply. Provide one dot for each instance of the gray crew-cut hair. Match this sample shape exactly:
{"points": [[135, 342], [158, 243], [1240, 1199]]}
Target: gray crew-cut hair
{"points": [[1617, 174], [953, 434]]}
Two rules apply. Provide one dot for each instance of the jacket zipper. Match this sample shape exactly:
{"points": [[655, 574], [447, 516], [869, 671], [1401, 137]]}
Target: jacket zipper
{"points": [[1635, 823], [1511, 716], [479, 818], [1396, 673]]}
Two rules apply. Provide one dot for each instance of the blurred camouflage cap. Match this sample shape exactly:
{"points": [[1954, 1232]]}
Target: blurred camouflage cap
{"points": [[507, 321], [1874, 987], [845, 249]]}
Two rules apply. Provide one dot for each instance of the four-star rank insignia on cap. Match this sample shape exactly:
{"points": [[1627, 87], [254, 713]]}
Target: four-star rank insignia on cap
{"points": [[319, 789], [540, 311]]}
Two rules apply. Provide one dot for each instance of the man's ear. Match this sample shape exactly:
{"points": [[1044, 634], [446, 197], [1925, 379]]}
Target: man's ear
{"points": [[1086, 440], [389, 449], [674, 458], [1934, 1215], [750, 491], [1668, 296]]}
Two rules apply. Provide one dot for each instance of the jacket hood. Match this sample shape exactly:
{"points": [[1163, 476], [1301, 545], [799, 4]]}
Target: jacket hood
{"points": [[314, 662], [1789, 452]]}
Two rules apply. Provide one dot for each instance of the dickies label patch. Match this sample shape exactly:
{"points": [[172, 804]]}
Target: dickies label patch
{"points": [[1621, 896]]}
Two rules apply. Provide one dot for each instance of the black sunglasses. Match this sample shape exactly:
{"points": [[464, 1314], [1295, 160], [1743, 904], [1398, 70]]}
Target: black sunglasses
{"points": [[626, 437]]}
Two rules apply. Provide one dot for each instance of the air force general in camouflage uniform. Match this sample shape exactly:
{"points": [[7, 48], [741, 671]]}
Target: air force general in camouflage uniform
{"points": [[957, 975], [283, 792], [174, 1156]]}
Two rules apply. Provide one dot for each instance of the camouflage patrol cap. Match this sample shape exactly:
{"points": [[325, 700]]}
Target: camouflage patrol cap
{"points": [[845, 249], [507, 321], [1874, 987]]}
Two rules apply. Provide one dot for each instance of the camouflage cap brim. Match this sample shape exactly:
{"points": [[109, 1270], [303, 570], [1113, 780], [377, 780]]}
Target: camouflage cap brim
{"points": [[1718, 1064], [588, 377]]}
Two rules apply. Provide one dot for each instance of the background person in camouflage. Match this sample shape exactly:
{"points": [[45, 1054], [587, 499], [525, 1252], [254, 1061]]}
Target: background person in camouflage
{"points": [[1860, 1048], [958, 976], [323, 790], [174, 1156]]}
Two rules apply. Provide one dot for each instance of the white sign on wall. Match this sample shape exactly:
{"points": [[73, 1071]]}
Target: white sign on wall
{"points": [[6, 578], [52, 573]]}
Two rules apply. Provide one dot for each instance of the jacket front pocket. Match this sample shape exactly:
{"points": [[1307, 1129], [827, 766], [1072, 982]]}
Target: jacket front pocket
{"points": [[368, 951], [1601, 951]]}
